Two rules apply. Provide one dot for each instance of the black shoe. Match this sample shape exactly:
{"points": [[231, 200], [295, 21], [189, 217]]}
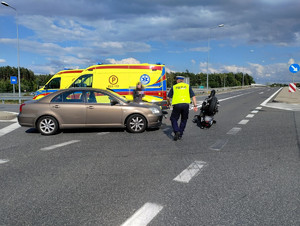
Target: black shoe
{"points": [[176, 136], [214, 121], [180, 137]]}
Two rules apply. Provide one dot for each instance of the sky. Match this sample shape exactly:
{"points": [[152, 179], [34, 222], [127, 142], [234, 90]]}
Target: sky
{"points": [[259, 37]]}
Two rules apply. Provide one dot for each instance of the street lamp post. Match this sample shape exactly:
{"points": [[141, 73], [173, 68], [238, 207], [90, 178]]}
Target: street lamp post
{"points": [[19, 77], [220, 25]]}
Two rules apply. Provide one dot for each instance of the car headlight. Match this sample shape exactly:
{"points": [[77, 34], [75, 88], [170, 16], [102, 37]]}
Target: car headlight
{"points": [[154, 110]]}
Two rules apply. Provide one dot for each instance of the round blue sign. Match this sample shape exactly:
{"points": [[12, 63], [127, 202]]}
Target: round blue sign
{"points": [[145, 79], [294, 68]]}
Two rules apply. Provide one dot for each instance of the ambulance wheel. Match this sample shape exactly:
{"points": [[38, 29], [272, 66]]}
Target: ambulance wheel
{"points": [[136, 123], [47, 125]]}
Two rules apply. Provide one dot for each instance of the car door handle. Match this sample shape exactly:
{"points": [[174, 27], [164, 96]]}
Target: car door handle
{"points": [[56, 106], [90, 107]]}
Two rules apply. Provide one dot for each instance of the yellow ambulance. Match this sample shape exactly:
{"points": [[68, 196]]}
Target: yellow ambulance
{"points": [[60, 80], [122, 79]]}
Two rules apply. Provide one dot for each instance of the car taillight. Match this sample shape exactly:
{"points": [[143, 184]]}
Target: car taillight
{"points": [[21, 107]]}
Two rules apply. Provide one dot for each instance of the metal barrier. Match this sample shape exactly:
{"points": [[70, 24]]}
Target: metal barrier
{"points": [[7, 98]]}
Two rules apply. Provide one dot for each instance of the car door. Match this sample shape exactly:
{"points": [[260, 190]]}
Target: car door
{"points": [[101, 111], [69, 108]]}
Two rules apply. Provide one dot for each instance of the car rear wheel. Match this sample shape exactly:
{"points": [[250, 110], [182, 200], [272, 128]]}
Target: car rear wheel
{"points": [[47, 125], [136, 123]]}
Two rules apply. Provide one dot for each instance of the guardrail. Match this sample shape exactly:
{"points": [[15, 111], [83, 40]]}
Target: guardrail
{"points": [[9, 97], [199, 91]]}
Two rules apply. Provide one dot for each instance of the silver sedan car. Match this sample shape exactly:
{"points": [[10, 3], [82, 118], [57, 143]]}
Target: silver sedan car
{"points": [[88, 108]]}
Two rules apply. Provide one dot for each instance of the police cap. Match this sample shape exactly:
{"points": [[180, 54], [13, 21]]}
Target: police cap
{"points": [[180, 77]]}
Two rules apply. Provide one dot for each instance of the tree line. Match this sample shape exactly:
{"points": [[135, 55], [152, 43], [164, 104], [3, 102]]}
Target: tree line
{"points": [[214, 80], [31, 82]]}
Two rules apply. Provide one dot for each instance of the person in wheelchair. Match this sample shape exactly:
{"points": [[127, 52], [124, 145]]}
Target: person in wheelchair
{"points": [[209, 107]]}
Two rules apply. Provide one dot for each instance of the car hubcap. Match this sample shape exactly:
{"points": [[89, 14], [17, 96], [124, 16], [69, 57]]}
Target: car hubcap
{"points": [[47, 125], [136, 124]]}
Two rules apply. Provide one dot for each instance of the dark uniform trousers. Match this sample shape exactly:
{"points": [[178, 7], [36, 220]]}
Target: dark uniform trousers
{"points": [[179, 110]]}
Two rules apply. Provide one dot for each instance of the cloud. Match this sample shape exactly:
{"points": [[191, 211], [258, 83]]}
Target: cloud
{"points": [[2, 61], [199, 49]]}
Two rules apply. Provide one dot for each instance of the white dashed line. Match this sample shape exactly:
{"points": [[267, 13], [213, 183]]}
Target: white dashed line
{"points": [[144, 215], [234, 131], [2, 161], [219, 145], [261, 92], [258, 108], [254, 112], [9, 129], [59, 145], [193, 170], [244, 122], [250, 116]]}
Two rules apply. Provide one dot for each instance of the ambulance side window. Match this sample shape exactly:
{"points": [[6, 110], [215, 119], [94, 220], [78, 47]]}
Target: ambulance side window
{"points": [[83, 81], [53, 84]]}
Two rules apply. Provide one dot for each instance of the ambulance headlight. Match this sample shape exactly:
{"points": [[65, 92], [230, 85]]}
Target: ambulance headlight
{"points": [[154, 110]]}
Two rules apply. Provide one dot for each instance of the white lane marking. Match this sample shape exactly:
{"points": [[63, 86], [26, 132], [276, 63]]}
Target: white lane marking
{"points": [[258, 108], [250, 116], [254, 112], [103, 133], [144, 215], [267, 100], [218, 145], [2, 161], [59, 145], [244, 122], [193, 170], [234, 96], [228, 98], [9, 129], [261, 92], [234, 131]]}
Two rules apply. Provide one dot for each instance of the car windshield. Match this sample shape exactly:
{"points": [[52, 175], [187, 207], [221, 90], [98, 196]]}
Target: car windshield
{"points": [[118, 95]]}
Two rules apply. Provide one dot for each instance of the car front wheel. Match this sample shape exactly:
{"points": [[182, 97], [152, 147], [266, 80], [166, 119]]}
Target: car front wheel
{"points": [[136, 123], [47, 125]]}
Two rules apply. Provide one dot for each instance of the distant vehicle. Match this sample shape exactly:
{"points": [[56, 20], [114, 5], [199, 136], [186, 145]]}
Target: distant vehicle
{"points": [[61, 80], [123, 78], [88, 108]]}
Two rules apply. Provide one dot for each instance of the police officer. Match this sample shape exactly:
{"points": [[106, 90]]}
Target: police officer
{"points": [[181, 95]]}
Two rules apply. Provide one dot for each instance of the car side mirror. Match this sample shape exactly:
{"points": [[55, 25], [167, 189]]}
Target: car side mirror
{"points": [[114, 102]]}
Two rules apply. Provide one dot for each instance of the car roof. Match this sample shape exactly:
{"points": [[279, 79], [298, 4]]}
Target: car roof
{"points": [[51, 95]]}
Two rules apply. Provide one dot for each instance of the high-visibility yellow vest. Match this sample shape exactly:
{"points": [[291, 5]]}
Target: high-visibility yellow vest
{"points": [[181, 93]]}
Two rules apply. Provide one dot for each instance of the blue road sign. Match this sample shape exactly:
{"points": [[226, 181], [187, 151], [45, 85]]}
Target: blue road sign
{"points": [[294, 68], [13, 80]]}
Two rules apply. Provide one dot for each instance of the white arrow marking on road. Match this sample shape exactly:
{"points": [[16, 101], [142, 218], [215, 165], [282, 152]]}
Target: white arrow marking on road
{"points": [[9, 128], [59, 145], [186, 175], [144, 215]]}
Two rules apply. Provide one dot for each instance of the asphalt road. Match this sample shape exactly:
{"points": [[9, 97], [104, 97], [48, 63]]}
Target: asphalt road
{"points": [[244, 170]]}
